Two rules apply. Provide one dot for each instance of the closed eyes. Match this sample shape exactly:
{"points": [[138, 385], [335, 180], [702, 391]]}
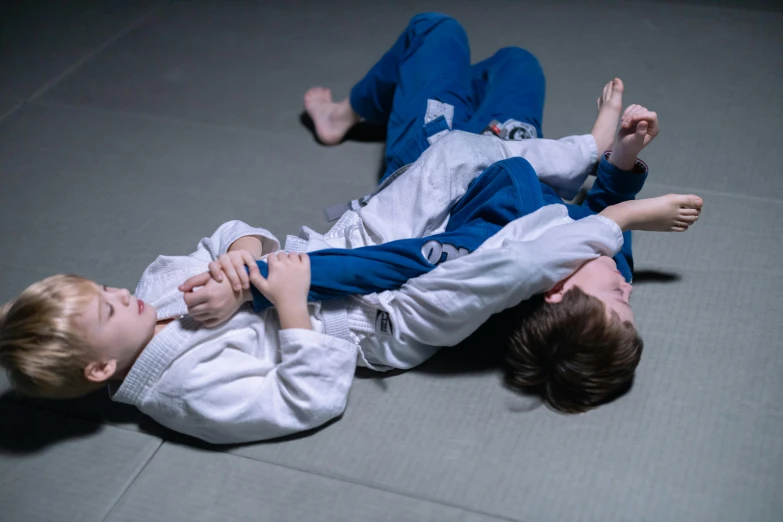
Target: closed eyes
{"points": [[111, 308]]}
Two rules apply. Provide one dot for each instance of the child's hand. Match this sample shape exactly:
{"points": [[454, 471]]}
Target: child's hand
{"points": [[288, 281], [215, 302], [232, 264], [638, 128]]}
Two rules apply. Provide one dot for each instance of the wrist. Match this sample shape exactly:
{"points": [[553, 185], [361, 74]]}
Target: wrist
{"points": [[294, 314], [289, 304], [622, 160]]}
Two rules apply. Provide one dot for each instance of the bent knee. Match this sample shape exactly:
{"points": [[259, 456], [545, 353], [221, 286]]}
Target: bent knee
{"points": [[426, 24], [517, 56]]}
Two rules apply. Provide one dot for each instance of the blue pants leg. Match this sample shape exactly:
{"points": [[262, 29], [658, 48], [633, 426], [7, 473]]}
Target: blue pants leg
{"points": [[508, 85], [429, 60]]}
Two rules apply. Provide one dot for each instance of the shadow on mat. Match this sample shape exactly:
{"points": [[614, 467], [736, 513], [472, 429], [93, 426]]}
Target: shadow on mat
{"points": [[480, 353], [361, 132], [654, 276], [31, 425]]}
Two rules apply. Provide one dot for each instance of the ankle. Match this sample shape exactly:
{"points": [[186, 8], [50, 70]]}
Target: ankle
{"points": [[601, 143], [346, 112], [620, 213]]}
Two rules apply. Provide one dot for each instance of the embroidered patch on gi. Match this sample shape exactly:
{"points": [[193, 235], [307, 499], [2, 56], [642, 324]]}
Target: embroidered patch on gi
{"points": [[511, 130], [436, 252], [436, 108], [383, 324]]}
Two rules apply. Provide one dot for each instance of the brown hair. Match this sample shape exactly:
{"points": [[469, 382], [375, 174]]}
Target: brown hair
{"points": [[41, 347], [572, 354]]}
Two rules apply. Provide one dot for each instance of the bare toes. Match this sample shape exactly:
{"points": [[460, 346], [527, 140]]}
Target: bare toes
{"points": [[694, 202], [317, 94]]}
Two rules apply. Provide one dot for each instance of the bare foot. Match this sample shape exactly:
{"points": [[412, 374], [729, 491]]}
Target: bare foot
{"points": [[670, 213], [332, 120], [610, 105]]}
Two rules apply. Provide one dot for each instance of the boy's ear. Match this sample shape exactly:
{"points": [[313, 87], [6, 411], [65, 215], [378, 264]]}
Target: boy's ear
{"points": [[100, 371], [555, 295]]}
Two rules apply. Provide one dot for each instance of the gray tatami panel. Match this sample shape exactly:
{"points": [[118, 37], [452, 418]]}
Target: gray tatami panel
{"points": [[56, 468], [43, 40]]}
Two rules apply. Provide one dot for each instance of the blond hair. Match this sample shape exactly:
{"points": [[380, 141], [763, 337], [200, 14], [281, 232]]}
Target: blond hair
{"points": [[41, 347]]}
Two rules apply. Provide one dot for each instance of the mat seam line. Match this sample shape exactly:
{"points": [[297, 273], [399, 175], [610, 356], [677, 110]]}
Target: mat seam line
{"points": [[146, 116], [85, 58], [132, 480], [89, 55], [355, 482]]}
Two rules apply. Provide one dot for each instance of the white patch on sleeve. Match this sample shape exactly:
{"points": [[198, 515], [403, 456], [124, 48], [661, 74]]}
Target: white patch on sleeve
{"points": [[436, 109]]}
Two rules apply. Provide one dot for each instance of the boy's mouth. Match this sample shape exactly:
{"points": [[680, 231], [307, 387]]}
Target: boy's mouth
{"points": [[141, 306]]}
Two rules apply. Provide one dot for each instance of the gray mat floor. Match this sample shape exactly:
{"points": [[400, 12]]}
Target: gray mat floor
{"points": [[133, 128]]}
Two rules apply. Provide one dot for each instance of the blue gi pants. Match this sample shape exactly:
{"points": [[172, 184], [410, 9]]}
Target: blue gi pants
{"points": [[431, 60]]}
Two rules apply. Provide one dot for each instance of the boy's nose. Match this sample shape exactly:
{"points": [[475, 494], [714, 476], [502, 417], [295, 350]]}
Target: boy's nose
{"points": [[125, 296]]}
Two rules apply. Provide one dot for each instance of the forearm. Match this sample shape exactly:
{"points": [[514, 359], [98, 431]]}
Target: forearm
{"points": [[250, 243], [622, 161], [210, 248]]}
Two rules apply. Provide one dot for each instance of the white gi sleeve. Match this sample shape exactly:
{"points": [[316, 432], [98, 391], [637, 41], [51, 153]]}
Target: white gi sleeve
{"points": [[562, 164], [210, 248], [446, 305], [230, 397], [417, 202], [168, 272]]}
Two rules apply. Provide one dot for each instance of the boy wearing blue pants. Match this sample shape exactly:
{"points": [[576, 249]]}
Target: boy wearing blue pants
{"points": [[253, 376]]}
